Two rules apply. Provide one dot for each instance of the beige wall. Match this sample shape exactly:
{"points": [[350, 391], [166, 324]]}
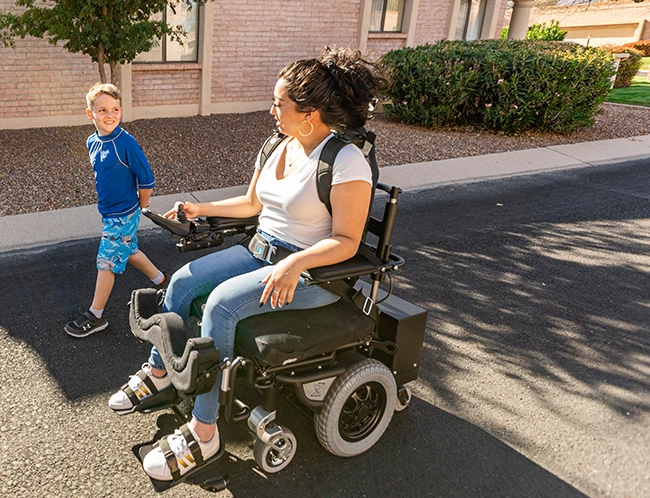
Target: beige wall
{"points": [[600, 23]]}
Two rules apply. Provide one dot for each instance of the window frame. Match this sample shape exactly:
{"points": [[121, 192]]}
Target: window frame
{"points": [[383, 17], [163, 42], [482, 9]]}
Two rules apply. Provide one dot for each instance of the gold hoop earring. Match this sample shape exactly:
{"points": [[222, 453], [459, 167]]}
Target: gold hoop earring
{"points": [[310, 131]]}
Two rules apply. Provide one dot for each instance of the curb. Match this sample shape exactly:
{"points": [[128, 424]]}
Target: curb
{"points": [[40, 230]]}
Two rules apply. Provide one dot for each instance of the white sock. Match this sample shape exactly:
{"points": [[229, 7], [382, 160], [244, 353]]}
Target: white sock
{"points": [[97, 313], [159, 278]]}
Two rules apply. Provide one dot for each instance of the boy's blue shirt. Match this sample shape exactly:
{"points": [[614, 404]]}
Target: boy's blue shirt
{"points": [[121, 168]]}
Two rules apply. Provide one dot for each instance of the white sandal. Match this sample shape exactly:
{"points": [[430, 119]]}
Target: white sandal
{"points": [[178, 453], [141, 386]]}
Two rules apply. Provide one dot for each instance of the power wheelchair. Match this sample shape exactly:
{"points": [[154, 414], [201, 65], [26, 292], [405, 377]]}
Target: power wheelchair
{"points": [[344, 364]]}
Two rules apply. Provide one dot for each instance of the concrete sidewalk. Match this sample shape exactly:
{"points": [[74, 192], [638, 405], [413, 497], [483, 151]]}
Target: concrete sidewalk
{"points": [[38, 230]]}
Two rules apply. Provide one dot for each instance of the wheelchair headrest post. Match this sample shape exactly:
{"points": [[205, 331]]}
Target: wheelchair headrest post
{"points": [[388, 222]]}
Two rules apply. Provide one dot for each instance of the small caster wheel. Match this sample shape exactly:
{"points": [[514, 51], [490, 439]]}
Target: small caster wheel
{"points": [[403, 398], [215, 484], [275, 458]]}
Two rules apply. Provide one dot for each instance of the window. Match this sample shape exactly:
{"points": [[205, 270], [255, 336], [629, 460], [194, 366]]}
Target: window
{"points": [[386, 15], [185, 14], [470, 19]]}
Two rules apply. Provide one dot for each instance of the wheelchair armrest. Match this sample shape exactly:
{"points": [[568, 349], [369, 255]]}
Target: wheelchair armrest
{"points": [[182, 229], [219, 223], [357, 266]]}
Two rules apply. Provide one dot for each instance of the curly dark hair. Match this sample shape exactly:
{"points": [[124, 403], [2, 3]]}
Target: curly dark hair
{"points": [[340, 84]]}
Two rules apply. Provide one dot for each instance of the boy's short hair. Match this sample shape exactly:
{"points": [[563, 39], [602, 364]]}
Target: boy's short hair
{"points": [[102, 89]]}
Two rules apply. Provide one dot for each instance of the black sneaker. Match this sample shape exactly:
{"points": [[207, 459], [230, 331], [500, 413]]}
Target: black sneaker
{"points": [[85, 325]]}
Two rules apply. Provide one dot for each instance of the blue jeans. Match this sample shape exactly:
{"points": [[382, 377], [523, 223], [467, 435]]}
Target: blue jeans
{"points": [[232, 279]]}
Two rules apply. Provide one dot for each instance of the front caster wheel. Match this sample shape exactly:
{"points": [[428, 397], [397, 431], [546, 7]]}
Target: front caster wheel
{"points": [[357, 409], [272, 459]]}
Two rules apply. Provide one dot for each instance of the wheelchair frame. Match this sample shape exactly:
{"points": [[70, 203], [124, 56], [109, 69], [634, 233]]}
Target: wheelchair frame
{"points": [[351, 390]]}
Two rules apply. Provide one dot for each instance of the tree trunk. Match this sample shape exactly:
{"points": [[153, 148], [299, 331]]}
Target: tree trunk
{"points": [[115, 73], [100, 63], [101, 53]]}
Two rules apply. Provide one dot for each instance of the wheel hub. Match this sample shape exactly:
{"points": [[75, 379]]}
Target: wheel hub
{"points": [[362, 412]]}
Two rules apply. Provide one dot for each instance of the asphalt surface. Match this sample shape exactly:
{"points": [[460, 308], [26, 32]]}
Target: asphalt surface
{"points": [[534, 380]]}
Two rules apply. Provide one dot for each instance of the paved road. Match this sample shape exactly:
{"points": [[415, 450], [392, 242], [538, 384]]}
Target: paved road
{"points": [[536, 369]]}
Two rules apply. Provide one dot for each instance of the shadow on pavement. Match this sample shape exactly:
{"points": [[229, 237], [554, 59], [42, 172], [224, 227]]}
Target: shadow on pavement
{"points": [[424, 452], [545, 277]]}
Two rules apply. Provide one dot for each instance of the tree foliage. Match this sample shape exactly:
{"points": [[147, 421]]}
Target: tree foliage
{"points": [[111, 32]]}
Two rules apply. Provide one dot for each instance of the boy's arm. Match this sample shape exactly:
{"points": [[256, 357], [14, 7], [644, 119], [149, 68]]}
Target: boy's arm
{"points": [[144, 194]]}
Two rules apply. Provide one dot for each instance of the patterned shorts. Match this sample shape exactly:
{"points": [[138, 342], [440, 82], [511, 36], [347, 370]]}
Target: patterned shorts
{"points": [[118, 242]]}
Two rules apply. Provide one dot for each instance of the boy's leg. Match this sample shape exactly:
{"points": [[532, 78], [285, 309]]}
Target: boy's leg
{"points": [[92, 321], [103, 288], [115, 247], [144, 264]]}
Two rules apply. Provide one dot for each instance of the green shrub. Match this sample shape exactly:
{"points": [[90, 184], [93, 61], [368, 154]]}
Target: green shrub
{"points": [[627, 68], [509, 85], [553, 32]]}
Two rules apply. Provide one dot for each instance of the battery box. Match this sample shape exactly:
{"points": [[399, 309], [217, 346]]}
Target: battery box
{"points": [[404, 324]]}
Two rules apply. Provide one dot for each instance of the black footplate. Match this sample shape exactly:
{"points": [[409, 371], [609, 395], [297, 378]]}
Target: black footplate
{"points": [[211, 476]]}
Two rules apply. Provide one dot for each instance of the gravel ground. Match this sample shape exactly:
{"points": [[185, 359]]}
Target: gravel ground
{"points": [[47, 168]]}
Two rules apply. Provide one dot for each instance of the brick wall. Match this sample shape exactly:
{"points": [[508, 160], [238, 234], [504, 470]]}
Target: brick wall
{"points": [[379, 46], [38, 79], [432, 20], [246, 61], [503, 19], [252, 40], [171, 84]]}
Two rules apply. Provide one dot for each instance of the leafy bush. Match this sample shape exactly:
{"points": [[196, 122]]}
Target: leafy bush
{"points": [[627, 68], [509, 85], [553, 32]]}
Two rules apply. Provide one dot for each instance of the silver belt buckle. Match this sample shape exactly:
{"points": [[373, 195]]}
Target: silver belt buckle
{"points": [[262, 249], [270, 251]]}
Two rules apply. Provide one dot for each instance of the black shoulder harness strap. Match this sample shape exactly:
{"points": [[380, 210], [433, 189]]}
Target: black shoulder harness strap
{"points": [[270, 145], [363, 139]]}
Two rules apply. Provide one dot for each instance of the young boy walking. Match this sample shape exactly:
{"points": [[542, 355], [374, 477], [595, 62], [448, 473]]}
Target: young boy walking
{"points": [[124, 181]]}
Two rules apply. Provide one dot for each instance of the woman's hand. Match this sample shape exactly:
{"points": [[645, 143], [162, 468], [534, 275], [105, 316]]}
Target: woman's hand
{"points": [[281, 283], [191, 210]]}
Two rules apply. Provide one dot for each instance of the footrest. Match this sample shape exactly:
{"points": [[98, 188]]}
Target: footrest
{"points": [[211, 476], [191, 362], [166, 398]]}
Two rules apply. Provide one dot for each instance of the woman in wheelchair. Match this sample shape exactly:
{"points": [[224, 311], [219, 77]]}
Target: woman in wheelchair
{"points": [[296, 232]]}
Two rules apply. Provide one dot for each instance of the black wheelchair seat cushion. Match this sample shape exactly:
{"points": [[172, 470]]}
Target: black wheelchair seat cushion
{"points": [[282, 337], [186, 358]]}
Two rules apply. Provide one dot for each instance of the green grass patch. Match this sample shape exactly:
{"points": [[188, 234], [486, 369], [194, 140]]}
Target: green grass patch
{"points": [[645, 63], [636, 94]]}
